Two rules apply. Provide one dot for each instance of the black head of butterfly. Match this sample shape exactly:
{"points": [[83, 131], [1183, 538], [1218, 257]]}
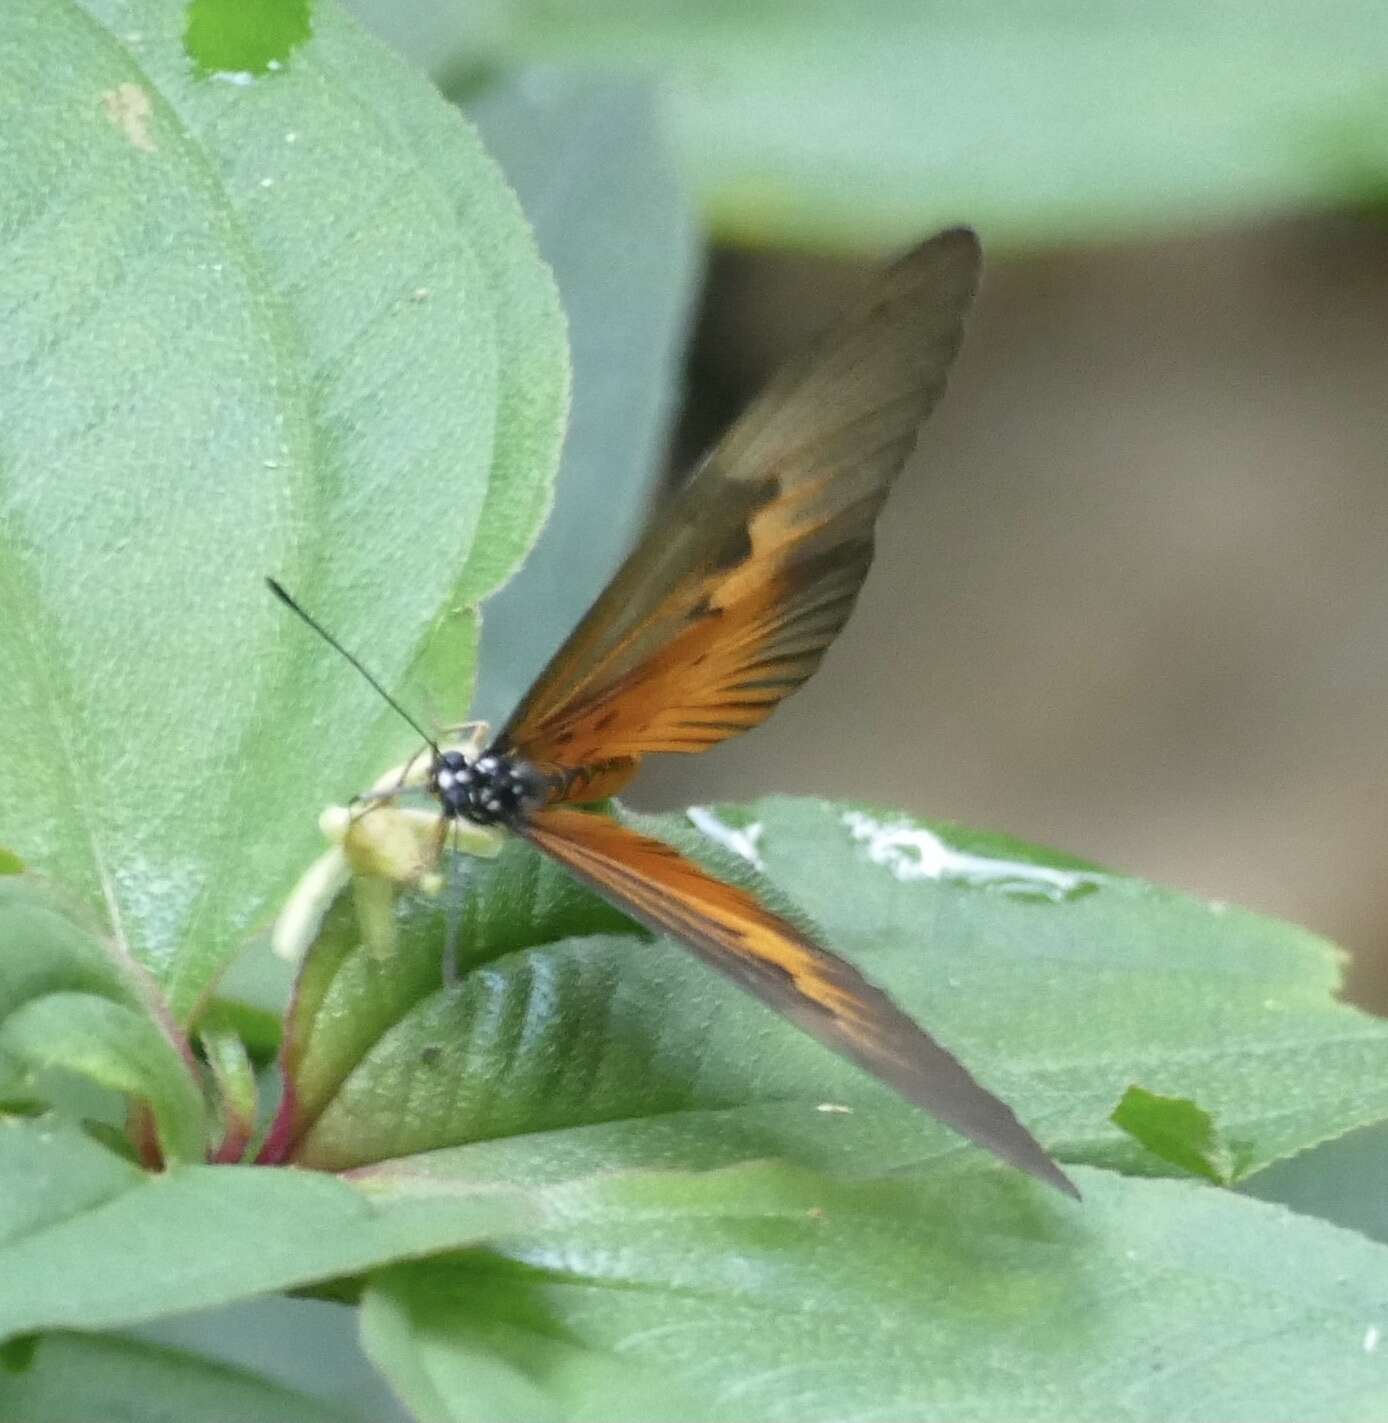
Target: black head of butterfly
{"points": [[724, 608], [491, 790]]}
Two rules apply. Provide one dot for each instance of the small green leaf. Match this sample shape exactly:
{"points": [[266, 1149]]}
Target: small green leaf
{"points": [[118, 1048], [768, 1292], [237, 1094], [87, 1241], [245, 36], [1180, 1132], [258, 1028], [10, 864], [88, 1377]]}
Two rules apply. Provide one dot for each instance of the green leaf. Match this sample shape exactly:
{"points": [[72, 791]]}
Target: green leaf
{"points": [[257, 1027], [48, 944], [77, 1377], [304, 1343], [1340, 1181], [1089, 983], [245, 36], [295, 327], [88, 1241], [770, 1292], [858, 123], [237, 1093], [348, 1002], [1178, 1131], [118, 1037], [591, 165], [1060, 985], [118, 1048], [17, 1354]]}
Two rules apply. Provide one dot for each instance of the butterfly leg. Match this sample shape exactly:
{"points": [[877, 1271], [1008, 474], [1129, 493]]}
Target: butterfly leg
{"points": [[393, 783], [472, 735], [453, 903]]}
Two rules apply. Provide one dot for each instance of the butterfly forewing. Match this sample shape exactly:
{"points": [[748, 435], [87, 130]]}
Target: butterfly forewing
{"points": [[728, 602], [726, 606], [771, 958]]}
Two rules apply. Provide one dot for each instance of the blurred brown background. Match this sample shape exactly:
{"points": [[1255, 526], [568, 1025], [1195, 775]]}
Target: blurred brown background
{"points": [[1131, 600]]}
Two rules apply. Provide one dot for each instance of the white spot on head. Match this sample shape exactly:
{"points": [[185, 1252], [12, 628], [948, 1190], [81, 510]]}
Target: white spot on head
{"points": [[910, 852], [445, 780], [742, 843]]}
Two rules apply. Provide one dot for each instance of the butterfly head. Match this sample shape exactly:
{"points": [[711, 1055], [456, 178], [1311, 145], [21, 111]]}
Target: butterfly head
{"points": [[492, 789]]}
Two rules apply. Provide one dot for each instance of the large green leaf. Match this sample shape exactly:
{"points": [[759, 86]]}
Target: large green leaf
{"points": [[87, 1378], [295, 326], [87, 1241], [853, 123], [768, 1292], [1060, 985]]}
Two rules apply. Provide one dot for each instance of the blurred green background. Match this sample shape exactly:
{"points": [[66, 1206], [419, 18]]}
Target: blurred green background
{"points": [[1131, 601]]}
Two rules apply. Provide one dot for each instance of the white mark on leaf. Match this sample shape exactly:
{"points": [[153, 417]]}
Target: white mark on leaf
{"points": [[129, 109], [910, 852], [743, 842]]}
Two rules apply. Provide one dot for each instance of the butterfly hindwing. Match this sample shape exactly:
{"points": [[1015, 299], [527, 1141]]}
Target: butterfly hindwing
{"points": [[777, 962], [729, 600]]}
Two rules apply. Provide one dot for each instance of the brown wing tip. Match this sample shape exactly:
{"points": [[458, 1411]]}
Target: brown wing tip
{"points": [[1038, 1163], [957, 245], [990, 1123]]}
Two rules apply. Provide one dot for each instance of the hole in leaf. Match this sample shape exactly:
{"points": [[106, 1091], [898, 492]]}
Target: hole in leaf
{"points": [[244, 37]]}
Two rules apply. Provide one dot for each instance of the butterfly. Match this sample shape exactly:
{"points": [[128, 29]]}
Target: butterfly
{"points": [[726, 606]]}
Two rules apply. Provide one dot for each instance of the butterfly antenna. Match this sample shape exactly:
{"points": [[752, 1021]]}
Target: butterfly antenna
{"points": [[278, 590]]}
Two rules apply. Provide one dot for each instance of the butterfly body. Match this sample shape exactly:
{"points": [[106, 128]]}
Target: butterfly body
{"points": [[492, 789], [724, 608]]}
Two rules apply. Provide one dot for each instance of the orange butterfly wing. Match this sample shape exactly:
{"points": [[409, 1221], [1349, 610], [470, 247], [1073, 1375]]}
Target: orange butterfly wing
{"points": [[729, 601], [772, 959]]}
